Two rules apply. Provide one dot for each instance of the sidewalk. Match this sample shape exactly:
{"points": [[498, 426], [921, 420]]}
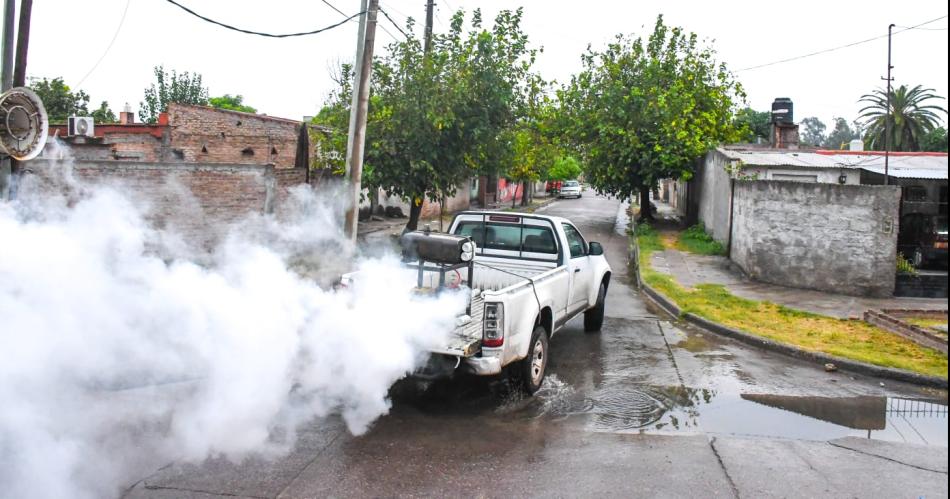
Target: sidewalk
{"points": [[689, 270]]}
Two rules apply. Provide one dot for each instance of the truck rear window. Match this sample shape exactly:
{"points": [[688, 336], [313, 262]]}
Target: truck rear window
{"points": [[520, 238]]}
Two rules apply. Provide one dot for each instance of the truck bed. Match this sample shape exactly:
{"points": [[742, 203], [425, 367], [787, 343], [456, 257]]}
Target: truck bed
{"points": [[466, 340]]}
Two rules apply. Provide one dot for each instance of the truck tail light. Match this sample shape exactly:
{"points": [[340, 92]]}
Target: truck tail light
{"points": [[493, 332]]}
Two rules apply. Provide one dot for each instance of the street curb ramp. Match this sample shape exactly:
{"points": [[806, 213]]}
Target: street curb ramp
{"points": [[864, 368]]}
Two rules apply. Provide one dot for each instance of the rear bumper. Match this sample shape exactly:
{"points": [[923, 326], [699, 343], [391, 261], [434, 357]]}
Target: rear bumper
{"points": [[483, 366]]}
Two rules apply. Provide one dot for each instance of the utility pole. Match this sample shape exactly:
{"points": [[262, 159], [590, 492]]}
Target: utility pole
{"points": [[6, 82], [358, 109], [22, 43], [427, 46], [430, 5], [887, 117], [9, 12]]}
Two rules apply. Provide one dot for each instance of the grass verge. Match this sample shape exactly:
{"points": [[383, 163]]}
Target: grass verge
{"points": [[696, 240], [851, 339]]}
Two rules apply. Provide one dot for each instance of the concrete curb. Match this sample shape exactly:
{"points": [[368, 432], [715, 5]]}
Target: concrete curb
{"points": [[671, 308]]}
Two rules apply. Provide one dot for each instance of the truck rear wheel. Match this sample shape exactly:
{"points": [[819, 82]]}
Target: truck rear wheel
{"points": [[594, 318], [533, 366]]}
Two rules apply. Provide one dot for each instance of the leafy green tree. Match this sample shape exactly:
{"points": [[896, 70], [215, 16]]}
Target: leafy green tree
{"points": [[842, 135], [935, 140], [753, 124], [565, 168], [644, 110], [60, 101], [437, 118], [814, 134], [184, 88], [103, 114], [535, 147], [231, 102], [910, 119]]}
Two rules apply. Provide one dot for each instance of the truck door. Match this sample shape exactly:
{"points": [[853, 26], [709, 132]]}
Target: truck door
{"points": [[578, 264]]}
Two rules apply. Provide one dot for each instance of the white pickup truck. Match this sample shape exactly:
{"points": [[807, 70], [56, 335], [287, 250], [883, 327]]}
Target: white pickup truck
{"points": [[531, 274]]}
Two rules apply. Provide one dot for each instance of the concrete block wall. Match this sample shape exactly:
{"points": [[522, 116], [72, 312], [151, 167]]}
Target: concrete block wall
{"points": [[828, 237], [714, 194]]}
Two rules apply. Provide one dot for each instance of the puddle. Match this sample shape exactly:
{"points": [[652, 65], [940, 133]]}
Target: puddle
{"points": [[615, 404], [654, 409]]}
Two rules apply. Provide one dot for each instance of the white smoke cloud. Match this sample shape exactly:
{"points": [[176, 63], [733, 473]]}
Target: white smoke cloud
{"points": [[117, 354]]}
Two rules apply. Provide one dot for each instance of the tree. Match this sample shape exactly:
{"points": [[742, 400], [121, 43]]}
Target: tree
{"points": [[534, 139], [842, 135], [910, 119], [753, 125], [184, 88], [59, 100], [814, 134], [565, 168], [231, 102], [103, 114], [644, 110], [436, 118], [935, 140]]}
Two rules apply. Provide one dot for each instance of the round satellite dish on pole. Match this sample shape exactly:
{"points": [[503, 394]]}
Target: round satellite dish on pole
{"points": [[23, 124]]}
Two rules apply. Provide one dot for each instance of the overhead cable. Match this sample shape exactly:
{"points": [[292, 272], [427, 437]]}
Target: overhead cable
{"points": [[839, 47], [394, 23], [328, 4], [258, 33], [108, 47]]}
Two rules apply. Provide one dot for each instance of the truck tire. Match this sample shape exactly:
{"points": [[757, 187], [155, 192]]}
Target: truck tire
{"points": [[594, 318], [533, 366]]}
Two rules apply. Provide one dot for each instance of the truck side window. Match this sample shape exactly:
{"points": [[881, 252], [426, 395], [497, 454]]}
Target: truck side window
{"points": [[575, 241]]}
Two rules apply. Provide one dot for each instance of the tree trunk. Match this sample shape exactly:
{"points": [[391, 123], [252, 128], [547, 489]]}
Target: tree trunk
{"points": [[646, 213], [414, 212], [525, 194], [514, 197]]}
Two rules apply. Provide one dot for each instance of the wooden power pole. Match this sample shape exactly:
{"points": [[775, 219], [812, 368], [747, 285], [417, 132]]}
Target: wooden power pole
{"points": [[22, 43], [430, 4], [360, 104]]}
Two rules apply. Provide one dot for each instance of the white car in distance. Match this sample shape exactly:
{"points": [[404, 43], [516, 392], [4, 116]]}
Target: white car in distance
{"points": [[570, 188]]}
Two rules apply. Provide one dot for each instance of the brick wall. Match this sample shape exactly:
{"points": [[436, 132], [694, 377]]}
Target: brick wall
{"points": [[197, 201], [206, 135], [829, 237]]}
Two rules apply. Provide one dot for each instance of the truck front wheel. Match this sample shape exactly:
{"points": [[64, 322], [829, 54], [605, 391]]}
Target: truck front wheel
{"points": [[594, 318], [534, 365]]}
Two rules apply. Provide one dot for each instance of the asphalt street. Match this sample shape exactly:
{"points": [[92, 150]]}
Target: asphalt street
{"points": [[645, 408]]}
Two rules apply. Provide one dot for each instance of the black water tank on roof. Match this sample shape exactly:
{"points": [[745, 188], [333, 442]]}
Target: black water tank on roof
{"points": [[782, 110]]}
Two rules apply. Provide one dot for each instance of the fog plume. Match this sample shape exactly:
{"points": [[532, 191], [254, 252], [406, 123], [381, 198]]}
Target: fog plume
{"points": [[121, 346]]}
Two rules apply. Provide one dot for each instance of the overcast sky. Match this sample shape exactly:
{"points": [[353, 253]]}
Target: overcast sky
{"points": [[289, 77]]}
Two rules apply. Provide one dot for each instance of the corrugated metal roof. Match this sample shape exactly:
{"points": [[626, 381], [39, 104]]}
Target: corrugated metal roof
{"points": [[925, 166], [904, 172]]}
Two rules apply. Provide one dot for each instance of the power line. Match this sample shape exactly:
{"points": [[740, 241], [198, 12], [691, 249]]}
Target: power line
{"points": [[924, 29], [394, 23], [258, 33], [108, 47], [328, 4], [839, 47]]}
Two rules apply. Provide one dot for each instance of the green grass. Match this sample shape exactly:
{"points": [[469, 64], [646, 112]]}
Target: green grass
{"points": [[851, 339], [696, 240]]}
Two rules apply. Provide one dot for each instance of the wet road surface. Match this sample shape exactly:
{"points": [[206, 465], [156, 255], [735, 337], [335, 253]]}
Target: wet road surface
{"points": [[645, 408]]}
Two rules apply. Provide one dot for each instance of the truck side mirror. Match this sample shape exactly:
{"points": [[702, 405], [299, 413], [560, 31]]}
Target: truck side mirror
{"points": [[595, 249]]}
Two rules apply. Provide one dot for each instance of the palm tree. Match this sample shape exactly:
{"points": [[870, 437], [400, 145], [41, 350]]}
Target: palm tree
{"points": [[910, 118]]}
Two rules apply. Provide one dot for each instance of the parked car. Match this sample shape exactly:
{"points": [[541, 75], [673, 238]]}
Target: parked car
{"points": [[923, 239], [570, 188]]}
